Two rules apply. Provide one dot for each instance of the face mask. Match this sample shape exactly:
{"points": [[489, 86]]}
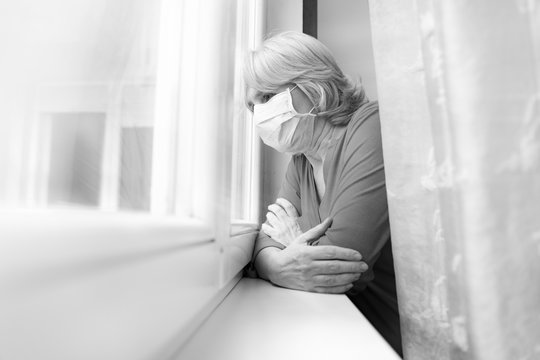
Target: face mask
{"points": [[277, 122]]}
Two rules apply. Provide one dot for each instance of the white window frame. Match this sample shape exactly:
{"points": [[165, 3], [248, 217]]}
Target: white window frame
{"points": [[200, 203]]}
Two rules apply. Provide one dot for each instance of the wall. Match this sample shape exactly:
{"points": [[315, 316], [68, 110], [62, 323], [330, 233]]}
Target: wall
{"points": [[460, 109], [344, 26]]}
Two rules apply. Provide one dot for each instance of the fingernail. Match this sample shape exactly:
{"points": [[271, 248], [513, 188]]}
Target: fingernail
{"points": [[364, 267], [357, 256]]}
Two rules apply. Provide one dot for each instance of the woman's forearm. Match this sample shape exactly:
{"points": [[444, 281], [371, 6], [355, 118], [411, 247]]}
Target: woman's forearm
{"points": [[265, 263], [327, 269]]}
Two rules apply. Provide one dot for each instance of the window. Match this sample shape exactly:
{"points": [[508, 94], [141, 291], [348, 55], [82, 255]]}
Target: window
{"points": [[80, 88], [124, 159], [106, 119], [246, 144]]}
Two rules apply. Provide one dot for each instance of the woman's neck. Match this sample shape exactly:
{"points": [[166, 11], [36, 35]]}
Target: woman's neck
{"points": [[326, 138], [318, 154]]}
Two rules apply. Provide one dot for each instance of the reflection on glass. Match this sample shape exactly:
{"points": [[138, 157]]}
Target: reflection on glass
{"points": [[77, 102], [245, 179], [136, 168], [76, 150]]}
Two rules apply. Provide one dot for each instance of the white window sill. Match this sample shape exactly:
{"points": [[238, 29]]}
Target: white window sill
{"points": [[260, 321], [239, 227]]}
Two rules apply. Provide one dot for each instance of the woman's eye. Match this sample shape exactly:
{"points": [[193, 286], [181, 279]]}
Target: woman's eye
{"points": [[266, 97]]}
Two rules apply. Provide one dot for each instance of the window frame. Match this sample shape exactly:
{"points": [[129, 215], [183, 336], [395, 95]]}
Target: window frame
{"points": [[194, 216]]}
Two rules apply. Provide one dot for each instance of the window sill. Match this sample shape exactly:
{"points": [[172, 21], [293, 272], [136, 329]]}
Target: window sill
{"points": [[238, 248], [239, 227], [260, 321]]}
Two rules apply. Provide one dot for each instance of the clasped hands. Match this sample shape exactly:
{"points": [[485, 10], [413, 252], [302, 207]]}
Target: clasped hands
{"points": [[326, 269]]}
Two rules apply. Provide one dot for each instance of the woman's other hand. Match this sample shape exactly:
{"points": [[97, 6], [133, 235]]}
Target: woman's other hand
{"points": [[323, 269], [282, 222]]}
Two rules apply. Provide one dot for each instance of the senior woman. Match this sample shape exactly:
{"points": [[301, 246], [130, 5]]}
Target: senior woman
{"points": [[331, 210]]}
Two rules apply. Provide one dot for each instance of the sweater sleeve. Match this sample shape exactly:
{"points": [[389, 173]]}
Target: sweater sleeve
{"points": [[290, 190], [360, 210]]}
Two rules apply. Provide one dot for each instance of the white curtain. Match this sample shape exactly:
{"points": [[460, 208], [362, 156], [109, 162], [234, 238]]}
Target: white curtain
{"points": [[459, 96]]}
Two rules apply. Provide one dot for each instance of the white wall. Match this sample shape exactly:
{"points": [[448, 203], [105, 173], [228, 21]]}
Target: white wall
{"points": [[344, 26], [283, 15]]}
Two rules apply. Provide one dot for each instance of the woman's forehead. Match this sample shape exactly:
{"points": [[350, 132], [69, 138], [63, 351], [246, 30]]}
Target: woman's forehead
{"points": [[253, 92]]}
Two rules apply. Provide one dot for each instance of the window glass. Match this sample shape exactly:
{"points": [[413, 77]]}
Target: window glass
{"points": [[100, 99], [77, 109], [74, 158], [245, 181]]}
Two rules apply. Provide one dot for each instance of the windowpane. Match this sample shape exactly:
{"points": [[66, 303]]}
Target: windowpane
{"points": [[136, 168], [245, 143], [77, 102], [76, 151]]}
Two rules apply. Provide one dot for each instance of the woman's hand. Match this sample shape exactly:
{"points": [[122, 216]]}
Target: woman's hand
{"points": [[282, 222], [324, 269]]}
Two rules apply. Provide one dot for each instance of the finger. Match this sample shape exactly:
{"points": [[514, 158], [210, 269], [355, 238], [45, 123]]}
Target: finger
{"points": [[268, 230], [331, 252], [272, 219], [333, 289], [338, 267], [315, 232], [335, 280], [278, 211], [287, 206]]}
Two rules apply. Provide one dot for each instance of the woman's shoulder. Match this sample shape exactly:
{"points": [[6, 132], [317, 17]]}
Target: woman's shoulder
{"points": [[364, 123], [367, 111]]}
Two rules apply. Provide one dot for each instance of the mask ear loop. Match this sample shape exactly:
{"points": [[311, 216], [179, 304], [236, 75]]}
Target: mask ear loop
{"points": [[314, 106]]}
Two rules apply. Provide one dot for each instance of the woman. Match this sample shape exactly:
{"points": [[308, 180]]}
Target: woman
{"points": [[303, 105]]}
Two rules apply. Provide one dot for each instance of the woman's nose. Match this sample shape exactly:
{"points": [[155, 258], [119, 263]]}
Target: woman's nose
{"points": [[252, 96]]}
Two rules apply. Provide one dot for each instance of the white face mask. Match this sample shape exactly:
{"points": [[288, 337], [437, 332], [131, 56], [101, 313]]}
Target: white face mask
{"points": [[277, 121]]}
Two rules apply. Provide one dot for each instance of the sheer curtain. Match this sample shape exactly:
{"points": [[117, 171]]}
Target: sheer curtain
{"points": [[459, 86]]}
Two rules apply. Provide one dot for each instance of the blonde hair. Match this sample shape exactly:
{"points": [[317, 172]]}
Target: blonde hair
{"points": [[293, 57]]}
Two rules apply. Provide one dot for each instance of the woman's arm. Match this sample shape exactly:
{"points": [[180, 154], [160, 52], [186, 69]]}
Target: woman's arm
{"points": [[359, 209], [326, 269], [299, 266]]}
